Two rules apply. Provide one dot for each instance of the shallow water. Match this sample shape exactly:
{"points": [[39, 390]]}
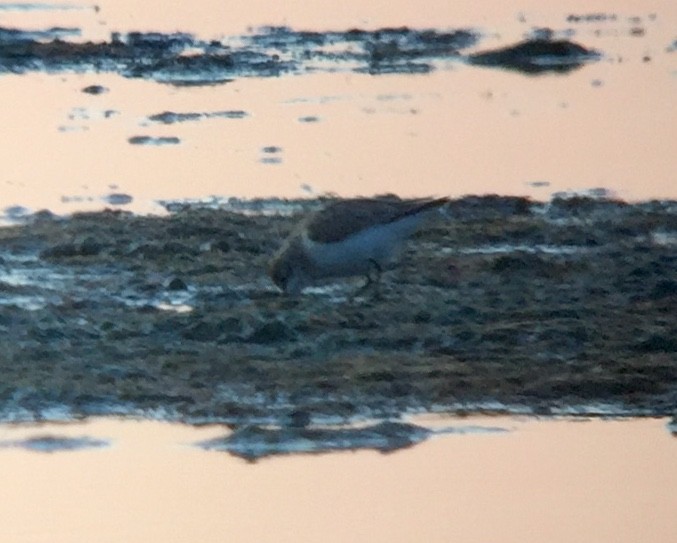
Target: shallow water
{"points": [[455, 129], [551, 480], [77, 140]]}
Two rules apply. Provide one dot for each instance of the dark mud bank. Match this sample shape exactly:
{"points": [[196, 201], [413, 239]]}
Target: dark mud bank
{"points": [[182, 59], [501, 305]]}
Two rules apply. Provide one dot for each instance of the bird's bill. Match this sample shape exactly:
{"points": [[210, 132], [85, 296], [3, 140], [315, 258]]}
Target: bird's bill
{"points": [[294, 285]]}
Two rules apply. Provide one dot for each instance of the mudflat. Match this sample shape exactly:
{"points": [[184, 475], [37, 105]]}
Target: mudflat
{"points": [[502, 304]]}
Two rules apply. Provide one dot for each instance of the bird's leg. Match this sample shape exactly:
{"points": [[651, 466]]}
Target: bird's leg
{"points": [[376, 268], [373, 279]]}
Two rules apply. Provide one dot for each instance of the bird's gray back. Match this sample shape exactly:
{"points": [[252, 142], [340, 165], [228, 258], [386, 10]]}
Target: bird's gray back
{"points": [[346, 218]]}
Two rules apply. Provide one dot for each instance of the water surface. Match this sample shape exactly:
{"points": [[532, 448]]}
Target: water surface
{"points": [[557, 481], [456, 129]]}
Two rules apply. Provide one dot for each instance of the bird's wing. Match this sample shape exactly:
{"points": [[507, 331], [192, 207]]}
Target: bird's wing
{"points": [[345, 218]]}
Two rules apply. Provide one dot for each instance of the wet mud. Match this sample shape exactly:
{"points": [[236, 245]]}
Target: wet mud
{"points": [[537, 56], [256, 442], [500, 304], [181, 59], [49, 443]]}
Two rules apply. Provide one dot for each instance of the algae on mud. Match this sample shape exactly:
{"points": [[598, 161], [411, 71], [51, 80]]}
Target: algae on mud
{"points": [[503, 304]]}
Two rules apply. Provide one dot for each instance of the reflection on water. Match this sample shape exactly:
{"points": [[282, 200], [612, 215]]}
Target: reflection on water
{"points": [[556, 481], [76, 141], [457, 130]]}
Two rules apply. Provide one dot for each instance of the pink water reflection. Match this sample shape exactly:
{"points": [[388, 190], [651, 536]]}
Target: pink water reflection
{"points": [[544, 481], [455, 131]]}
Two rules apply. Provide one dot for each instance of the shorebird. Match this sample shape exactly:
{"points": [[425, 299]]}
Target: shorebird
{"points": [[347, 238]]}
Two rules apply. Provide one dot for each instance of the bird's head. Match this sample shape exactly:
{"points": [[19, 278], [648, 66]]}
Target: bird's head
{"points": [[286, 273]]}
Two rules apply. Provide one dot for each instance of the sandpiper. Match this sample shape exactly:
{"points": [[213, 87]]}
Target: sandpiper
{"points": [[347, 238]]}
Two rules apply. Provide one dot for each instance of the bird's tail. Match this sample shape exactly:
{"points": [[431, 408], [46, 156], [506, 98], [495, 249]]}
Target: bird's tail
{"points": [[420, 206]]}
